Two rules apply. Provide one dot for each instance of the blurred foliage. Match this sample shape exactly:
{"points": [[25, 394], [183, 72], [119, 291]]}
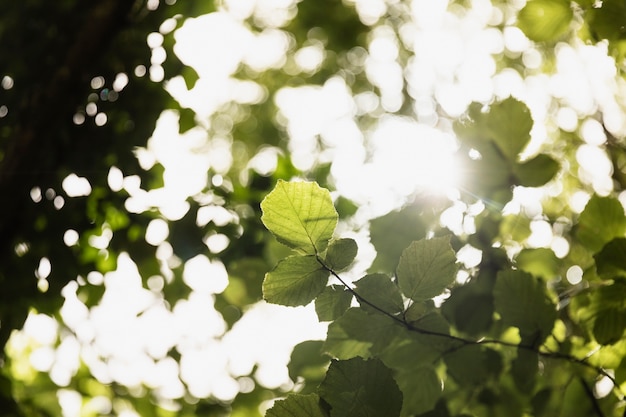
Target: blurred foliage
{"points": [[526, 330]]}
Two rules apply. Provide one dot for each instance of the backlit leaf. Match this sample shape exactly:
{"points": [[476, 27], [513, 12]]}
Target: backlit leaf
{"points": [[308, 361], [509, 123], [361, 388], [602, 220], [473, 365], [522, 302], [332, 302], [609, 325], [297, 405], [301, 215], [611, 260], [341, 253], [536, 172], [380, 291], [421, 389], [359, 333], [426, 268], [392, 233], [295, 281], [545, 20], [541, 262]]}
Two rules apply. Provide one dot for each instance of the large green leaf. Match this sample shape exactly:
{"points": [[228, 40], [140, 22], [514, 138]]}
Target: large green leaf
{"points": [[380, 291], [602, 220], [295, 281], [421, 389], [409, 351], [308, 361], [361, 388], [524, 370], [297, 405], [609, 325], [392, 233], [301, 215], [611, 260], [545, 20], [359, 333], [426, 268], [506, 124], [541, 262], [332, 302], [341, 253], [537, 171], [509, 123], [522, 301], [473, 365]]}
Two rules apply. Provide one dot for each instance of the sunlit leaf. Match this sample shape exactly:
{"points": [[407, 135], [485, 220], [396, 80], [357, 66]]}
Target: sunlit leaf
{"points": [[359, 333], [609, 325], [421, 389], [545, 20], [308, 361], [509, 123], [541, 262], [522, 301], [361, 388], [611, 260], [602, 220], [469, 309], [379, 290], [426, 268], [341, 253], [332, 302], [537, 171], [409, 351], [524, 370], [301, 215], [295, 281], [392, 233], [297, 405], [473, 365]]}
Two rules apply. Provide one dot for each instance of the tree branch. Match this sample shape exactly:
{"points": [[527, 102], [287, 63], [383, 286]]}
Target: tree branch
{"points": [[465, 342]]}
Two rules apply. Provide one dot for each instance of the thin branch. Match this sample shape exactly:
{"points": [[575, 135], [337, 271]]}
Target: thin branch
{"points": [[465, 342]]}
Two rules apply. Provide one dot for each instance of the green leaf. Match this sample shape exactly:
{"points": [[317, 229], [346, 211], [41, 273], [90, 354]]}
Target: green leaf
{"points": [[611, 260], [187, 119], [308, 361], [541, 262], [379, 290], [359, 333], [537, 171], [469, 309], [409, 351], [332, 302], [524, 370], [297, 405], [341, 253], [301, 215], [295, 281], [509, 123], [609, 325], [361, 388], [392, 233], [421, 389], [473, 365], [602, 220], [506, 124], [545, 20], [522, 302], [426, 268]]}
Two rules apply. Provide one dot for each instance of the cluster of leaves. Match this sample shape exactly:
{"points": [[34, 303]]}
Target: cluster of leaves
{"points": [[513, 339]]}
